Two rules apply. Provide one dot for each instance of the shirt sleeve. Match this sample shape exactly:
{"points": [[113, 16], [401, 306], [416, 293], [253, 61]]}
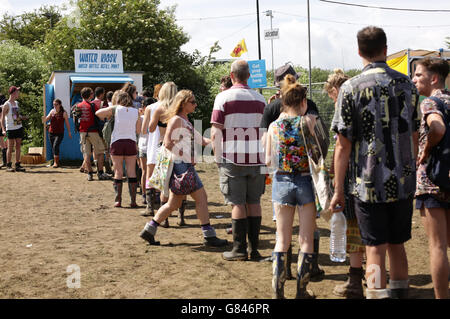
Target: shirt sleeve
{"points": [[218, 113], [343, 115]]}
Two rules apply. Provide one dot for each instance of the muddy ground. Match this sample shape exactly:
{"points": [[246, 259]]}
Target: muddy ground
{"points": [[53, 218]]}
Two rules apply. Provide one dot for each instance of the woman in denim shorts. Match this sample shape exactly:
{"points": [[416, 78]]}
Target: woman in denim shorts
{"points": [[179, 139], [292, 186]]}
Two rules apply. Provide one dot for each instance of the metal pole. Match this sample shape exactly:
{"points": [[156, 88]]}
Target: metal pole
{"points": [[309, 49], [259, 40], [271, 43]]}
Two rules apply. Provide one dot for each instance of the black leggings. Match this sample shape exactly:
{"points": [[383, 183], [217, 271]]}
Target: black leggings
{"points": [[55, 140]]}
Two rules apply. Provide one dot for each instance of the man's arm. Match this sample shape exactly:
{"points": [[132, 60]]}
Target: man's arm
{"points": [[216, 141], [5, 110], [343, 149], [434, 136]]}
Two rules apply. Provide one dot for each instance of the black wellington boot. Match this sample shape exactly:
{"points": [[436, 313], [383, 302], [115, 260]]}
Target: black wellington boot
{"points": [[239, 251], [317, 274], [132, 188], [279, 265], [254, 226], [181, 210]]}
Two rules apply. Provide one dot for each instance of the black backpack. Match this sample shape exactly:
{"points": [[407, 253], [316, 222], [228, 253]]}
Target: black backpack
{"points": [[438, 166]]}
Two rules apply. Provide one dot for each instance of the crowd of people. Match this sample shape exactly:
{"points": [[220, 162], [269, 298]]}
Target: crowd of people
{"points": [[383, 140]]}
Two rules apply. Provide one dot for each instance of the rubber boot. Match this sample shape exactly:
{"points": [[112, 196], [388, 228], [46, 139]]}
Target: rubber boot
{"points": [[181, 213], [317, 274], [239, 251], [352, 288], [253, 229], [55, 161], [149, 209], [132, 188], [288, 265], [4, 150], [303, 276], [398, 289], [279, 266], [118, 184]]}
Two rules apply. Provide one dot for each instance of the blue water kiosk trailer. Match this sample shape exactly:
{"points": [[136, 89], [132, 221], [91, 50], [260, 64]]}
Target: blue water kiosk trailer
{"points": [[93, 68]]}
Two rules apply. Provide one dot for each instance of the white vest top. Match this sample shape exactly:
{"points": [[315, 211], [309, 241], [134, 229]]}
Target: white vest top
{"points": [[125, 124]]}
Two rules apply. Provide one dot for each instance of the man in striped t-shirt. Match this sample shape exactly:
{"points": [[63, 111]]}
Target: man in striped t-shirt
{"points": [[238, 152]]}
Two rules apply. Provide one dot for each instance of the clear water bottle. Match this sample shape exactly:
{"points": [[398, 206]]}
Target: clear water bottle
{"points": [[338, 237]]}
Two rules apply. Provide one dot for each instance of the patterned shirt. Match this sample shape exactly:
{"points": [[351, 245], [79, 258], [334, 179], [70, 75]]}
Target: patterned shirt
{"points": [[427, 107], [378, 112], [239, 110], [289, 150]]}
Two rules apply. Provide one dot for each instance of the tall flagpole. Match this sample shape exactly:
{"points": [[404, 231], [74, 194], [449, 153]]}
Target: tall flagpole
{"points": [[309, 49], [259, 40]]}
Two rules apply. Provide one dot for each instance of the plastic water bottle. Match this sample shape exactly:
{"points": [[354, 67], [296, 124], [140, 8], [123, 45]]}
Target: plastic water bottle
{"points": [[338, 237]]}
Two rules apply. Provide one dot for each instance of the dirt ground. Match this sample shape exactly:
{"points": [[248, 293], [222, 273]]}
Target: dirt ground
{"points": [[53, 218]]}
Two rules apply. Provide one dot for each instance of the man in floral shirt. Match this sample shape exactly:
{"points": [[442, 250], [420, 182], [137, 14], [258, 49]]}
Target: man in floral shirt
{"points": [[433, 203], [376, 120]]}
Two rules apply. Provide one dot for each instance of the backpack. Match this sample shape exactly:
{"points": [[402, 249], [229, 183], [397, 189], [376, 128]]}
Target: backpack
{"points": [[108, 128], [76, 113], [97, 122], [438, 166]]}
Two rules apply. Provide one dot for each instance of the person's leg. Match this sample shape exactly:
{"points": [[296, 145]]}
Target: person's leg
{"points": [[201, 208], [149, 231], [130, 163], [436, 221], [118, 179], [376, 267], [143, 165], [18, 142], [58, 141], [149, 192], [307, 222]]}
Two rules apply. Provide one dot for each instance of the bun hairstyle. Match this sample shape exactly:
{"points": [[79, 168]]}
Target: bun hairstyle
{"points": [[335, 80], [293, 93]]}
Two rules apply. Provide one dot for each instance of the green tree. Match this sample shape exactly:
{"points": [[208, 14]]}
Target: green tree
{"points": [[25, 67], [29, 29]]}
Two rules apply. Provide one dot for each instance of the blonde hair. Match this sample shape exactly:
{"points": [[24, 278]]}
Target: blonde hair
{"points": [[114, 97], [180, 99], [293, 93], [335, 80], [166, 95]]}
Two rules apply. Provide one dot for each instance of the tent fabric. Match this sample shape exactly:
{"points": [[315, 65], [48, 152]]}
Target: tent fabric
{"points": [[399, 64]]}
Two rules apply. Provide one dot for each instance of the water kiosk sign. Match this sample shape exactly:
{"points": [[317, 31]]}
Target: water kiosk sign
{"points": [[258, 78], [98, 61]]}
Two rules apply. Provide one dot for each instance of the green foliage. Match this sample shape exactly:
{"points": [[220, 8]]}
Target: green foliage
{"points": [[25, 67], [29, 29]]}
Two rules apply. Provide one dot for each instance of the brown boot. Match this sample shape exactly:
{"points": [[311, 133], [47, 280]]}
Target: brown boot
{"points": [[352, 288]]}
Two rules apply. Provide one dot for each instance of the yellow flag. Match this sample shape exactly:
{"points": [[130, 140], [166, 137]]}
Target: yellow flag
{"points": [[239, 49]]}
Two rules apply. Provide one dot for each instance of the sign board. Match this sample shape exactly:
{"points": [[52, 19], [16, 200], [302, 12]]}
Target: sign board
{"points": [[258, 77], [271, 34], [98, 61]]}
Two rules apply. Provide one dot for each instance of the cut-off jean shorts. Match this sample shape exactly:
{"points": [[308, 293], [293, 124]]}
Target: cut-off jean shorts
{"points": [[180, 167], [292, 189]]}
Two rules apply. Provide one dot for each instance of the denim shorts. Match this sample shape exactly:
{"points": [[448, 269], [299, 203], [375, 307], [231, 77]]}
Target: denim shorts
{"points": [[292, 189], [429, 201], [181, 167]]}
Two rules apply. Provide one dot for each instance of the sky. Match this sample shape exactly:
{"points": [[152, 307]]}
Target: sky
{"points": [[333, 27]]}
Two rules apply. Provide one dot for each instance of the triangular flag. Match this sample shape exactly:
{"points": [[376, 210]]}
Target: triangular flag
{"points": [[239, 49]]}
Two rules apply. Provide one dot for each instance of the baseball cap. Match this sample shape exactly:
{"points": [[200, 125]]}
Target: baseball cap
{"points": [[13, 89], [284, 70]]}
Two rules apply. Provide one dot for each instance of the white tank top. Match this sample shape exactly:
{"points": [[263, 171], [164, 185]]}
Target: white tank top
{"points": [[125, 124], [12, 118]]}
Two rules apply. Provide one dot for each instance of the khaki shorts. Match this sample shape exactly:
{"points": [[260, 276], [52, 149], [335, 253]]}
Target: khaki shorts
{"points": [[91, 140], [241, 185]]}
